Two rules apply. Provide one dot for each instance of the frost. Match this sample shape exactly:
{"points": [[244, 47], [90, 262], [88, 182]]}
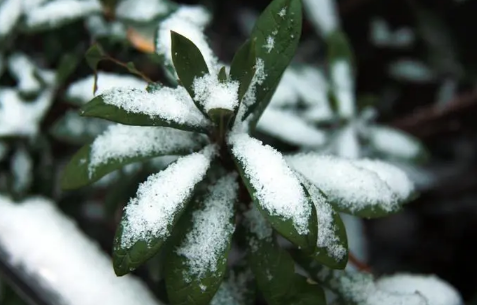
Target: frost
{"points": [[189, 21], [207, 241], [123, 141], [277, 189], [82, 90], [21, 166], [323, 15], [270, 44], [343, 84], [24, 70], [57, 11], [171, 105], [394, 143], [435, 290], [19, 117], [141, 10], [48, 246], [213, 94], [347, 185], [289, 127], [150, 214], [10, 12]]}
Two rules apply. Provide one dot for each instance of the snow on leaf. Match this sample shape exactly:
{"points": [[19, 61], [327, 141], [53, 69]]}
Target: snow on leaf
{"points": [[189, 21], [395, 178], [151, 214], [82, 90], [174, 106], [213, 94], [343, 86], [142, 10], [435, 290], [21, 167], [41, 241], [346, 144], [10, 12], [58, 12], [205, 244], [412, 71], [350, 188], [273, 187], [289, 127], [23, 69], [394, 143], [323, 15]]}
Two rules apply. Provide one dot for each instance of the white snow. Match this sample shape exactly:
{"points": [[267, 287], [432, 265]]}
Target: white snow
{"points": [[349, 186], [213, 226], [171, 105], [54, 252], [57, 11], [343, 85], [393, 142], [270, 44], [98, 27], [189, 21], [10, 12], [411, 70], [19, 117], [123, 141], [327, 231], [289, 127], [346, 143], [213, 94], [323, 14], [435, 290], [141, 10], [158, 199], [82, 90], [395, 178], [23, 70], [21, 168], [78, 126], [277, 189]]}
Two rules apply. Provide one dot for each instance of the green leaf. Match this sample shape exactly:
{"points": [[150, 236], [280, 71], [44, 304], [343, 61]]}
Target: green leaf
{"points": [[81, 171], [99, 109], [194, 273], [274, 270], [94, 55], [339, 48], [68, 64], [153, 87], [276, 33], [188, 62], [222, 75], [242, 68]]}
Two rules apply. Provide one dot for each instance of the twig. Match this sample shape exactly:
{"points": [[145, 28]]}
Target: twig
{"points": [[362, 266]]}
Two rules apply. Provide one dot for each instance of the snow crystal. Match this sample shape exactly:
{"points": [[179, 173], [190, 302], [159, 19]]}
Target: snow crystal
{"points": [[19, 117], [24, 71], [10, 12], [346, 143], [277, 189], [213, 94], [189, 21], [82, 90], [205, 244], [270, 44], [344, 183], [289, 127], [54, 12], [395, 178], [327, 231], [21, 167], [282, 12], [141, 10], [37, 238], [171, 105], [323, 15], [158, 199], [394, 143], [123, 141], [435, 290], [343, 83]]}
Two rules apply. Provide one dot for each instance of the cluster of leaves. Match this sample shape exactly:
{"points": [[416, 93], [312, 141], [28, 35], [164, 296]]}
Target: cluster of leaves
{"points": [[234, 182]]}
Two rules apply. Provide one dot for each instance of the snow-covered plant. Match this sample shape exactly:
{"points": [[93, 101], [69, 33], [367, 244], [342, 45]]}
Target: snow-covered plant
{"points": [[228, 195]]}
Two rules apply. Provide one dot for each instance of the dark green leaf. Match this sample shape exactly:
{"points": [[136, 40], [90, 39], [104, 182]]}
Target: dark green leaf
{"points": [[79, 172], [339, 48], [276, 33], [99, 109], [185, 283], [242, 68], [68, 64], [222, 75], [188, 62], [221, 118], [94, 55]]}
